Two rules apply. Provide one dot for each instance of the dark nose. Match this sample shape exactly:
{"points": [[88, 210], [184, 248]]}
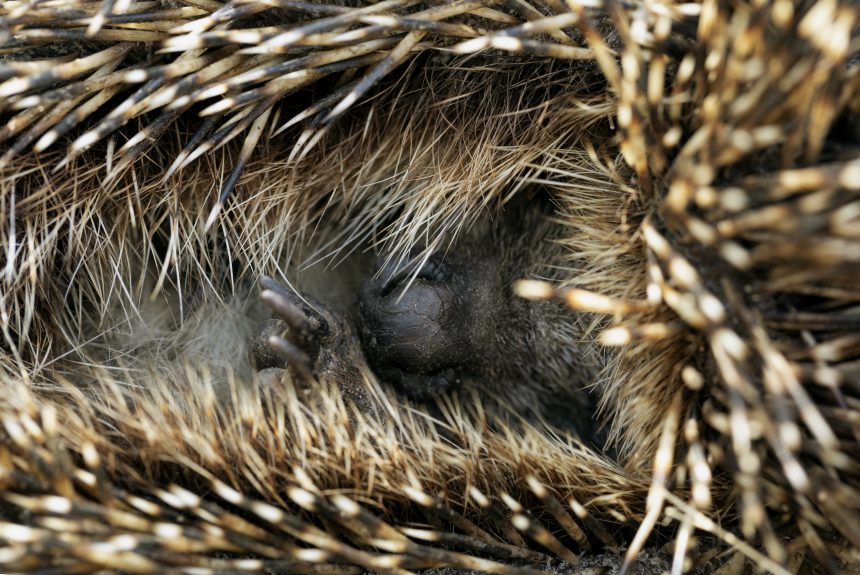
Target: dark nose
{"points": [[416, 330]]}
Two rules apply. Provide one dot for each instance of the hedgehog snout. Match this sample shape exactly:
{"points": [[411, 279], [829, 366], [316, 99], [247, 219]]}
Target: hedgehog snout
{"points": [[414, 333]]}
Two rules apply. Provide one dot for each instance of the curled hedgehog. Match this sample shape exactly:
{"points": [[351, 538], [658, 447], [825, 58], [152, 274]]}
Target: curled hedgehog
{"points": [[553, 281]]}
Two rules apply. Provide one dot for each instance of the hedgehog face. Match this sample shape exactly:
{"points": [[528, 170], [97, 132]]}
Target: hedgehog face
{"points": [[420, 332], [452, 322]]}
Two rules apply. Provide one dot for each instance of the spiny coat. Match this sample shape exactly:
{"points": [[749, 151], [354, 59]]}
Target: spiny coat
{"points": [[704, 157]]}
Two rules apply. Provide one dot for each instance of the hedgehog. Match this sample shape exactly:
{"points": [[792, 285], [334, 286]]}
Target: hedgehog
{"points": [[451, 323], [692, 172]]}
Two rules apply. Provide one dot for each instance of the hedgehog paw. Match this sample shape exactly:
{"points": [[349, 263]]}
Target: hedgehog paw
{"points": [[307, 339]]}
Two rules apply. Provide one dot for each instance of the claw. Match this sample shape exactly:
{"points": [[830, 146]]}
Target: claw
{"points": [[260, 353], [306, 326], [270, 283], [295, 336], [295, 357], [287, 311]]}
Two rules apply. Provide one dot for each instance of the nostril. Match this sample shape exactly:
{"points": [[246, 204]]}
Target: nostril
{"points": [[434, 269], [431, 270]]}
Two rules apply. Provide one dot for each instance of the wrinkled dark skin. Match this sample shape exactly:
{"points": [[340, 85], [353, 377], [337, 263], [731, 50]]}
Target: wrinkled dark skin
{"points": [[454, 321], [424, 336]]}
